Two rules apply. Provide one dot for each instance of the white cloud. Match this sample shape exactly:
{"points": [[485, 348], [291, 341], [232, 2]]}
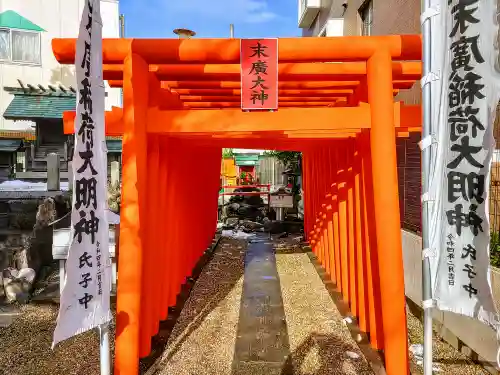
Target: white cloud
{"points": [[261, 17], [229, 11]]}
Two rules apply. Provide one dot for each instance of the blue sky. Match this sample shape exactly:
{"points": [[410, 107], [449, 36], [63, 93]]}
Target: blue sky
{"points": [[210, 18]]}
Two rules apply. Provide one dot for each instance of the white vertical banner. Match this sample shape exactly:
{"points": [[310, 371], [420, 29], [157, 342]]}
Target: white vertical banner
{"points": [[85, 299], [464, 103]]}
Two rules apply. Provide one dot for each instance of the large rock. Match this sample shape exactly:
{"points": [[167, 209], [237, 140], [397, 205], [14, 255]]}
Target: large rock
{"points": [[25, 253], [274, 227], [232, 221], [251, 225], [38, 253], [4, 215], [46, 213], [33, 250], [22, 213], [18, 284], [12, 250], [2, 289]]}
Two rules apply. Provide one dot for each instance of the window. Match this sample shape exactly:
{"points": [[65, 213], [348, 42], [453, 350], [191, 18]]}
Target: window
{"points": [[20, 46], [366, 14]]}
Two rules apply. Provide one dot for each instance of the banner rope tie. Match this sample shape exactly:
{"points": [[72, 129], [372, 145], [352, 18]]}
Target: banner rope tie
{"points": [[428, 253], [428, 78], [426, 142], [428, 304], [429, 13]]}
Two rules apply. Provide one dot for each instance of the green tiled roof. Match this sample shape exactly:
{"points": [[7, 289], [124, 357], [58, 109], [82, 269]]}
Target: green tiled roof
{"points": [[240, 160], [13, 20], [246, 159], [245, 163], [28, 105], [9, 145], [114, 145]]}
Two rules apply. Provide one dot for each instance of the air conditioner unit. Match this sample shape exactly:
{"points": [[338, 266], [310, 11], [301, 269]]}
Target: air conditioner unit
{"points": [[308, 10]]}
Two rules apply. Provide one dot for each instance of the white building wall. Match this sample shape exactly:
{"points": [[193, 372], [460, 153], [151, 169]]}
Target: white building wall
{"points": [[59, 19], [333, 27]]}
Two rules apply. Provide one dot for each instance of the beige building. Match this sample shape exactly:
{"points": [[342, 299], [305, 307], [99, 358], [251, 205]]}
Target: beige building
{"points": [[35, 89], [26, 31]]}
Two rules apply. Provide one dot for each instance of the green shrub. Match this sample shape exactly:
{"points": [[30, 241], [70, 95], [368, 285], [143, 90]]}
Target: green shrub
{"points": [[495, 249]]}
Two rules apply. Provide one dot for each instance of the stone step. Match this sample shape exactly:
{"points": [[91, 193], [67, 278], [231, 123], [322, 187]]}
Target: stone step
{"points": [[44, 160], [40, 165]]}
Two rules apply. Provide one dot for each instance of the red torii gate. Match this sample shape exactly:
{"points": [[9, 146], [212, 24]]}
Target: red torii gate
{"points": [[341, 116]]}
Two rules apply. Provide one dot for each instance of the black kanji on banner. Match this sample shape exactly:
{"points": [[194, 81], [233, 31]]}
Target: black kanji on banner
{"points": [[466, 173], [85, 195]]}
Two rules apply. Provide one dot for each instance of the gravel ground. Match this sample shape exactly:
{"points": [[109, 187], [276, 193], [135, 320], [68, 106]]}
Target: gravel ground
{"points": [[320, 343], [25, 346], [204, 337], [446, 358], [203, 340]]}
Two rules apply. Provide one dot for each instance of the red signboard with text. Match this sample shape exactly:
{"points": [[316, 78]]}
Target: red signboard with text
{"points": [[259, 74]]}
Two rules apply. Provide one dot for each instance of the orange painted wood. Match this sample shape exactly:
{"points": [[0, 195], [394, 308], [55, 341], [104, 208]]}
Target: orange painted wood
{"points": [[325, 209], [324, 197], [314, 191], [286, 72], [386, 207], [132, 218], [336, 238], [331, 247], [176, 210], [113, 119], [236, 104], [351, 206], [215, 99], [171, 51], [287, 85], [315, 194], [370, 245], [150, 285], [349, 71], [304, 196], [329, 172], [360, 248], [321, 211], [408, 118], [164, 261], [343, 224], [282, 93], [174, 183], [237, 121], [351, 237], [159, 96]]}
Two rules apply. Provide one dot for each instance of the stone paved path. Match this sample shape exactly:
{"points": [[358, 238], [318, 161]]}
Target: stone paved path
{"points": [[259, 313]]}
